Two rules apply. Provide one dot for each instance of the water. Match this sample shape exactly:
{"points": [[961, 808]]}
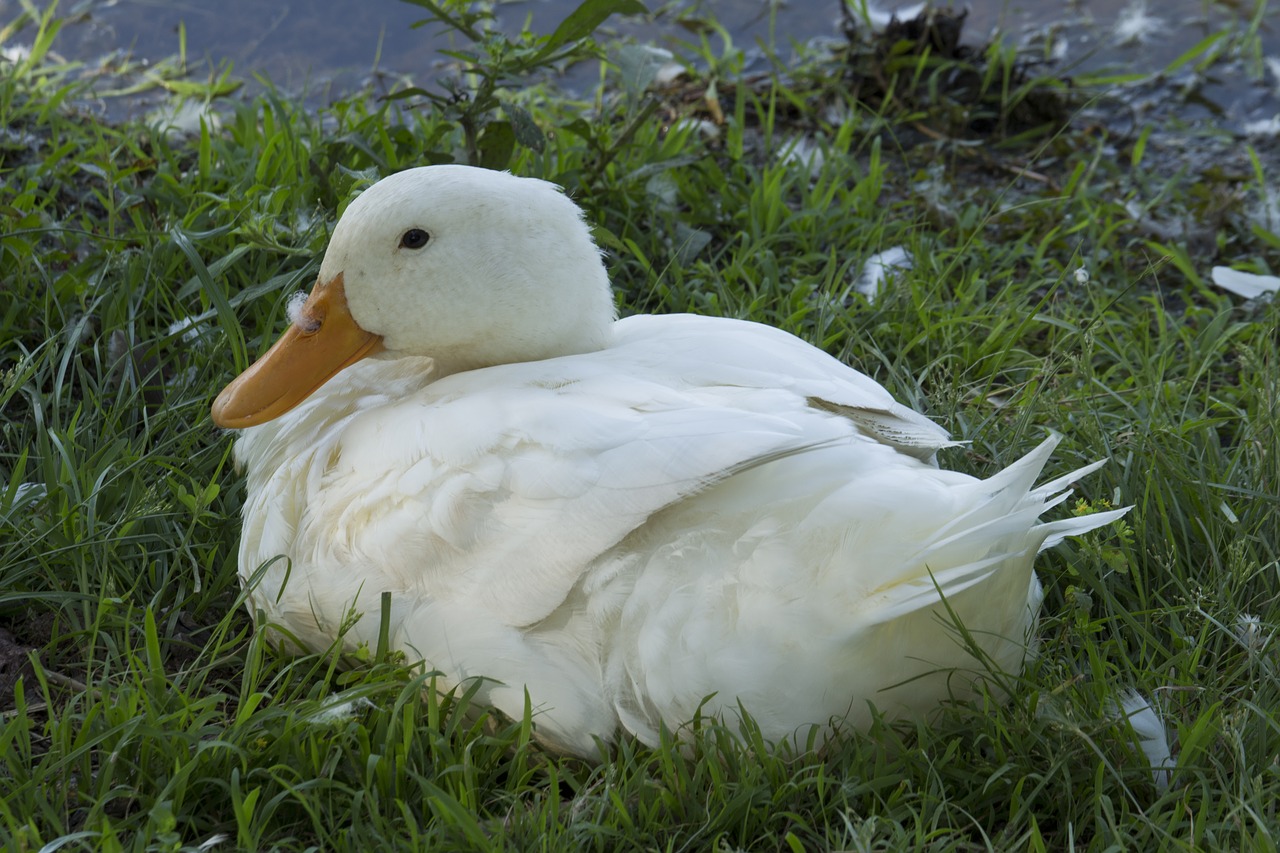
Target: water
{"points": [[326, 47]]}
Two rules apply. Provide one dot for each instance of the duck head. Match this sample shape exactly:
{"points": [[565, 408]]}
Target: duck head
{"points": [[467, 266]]}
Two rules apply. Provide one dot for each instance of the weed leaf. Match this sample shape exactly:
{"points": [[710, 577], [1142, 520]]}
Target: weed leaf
{"points": [[583, 21]]}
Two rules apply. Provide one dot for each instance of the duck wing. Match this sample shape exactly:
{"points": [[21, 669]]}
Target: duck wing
{"points": [[720, 351]]}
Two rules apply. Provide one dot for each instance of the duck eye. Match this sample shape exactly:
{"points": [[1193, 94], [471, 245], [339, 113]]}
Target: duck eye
{"points": [[414, 238]]}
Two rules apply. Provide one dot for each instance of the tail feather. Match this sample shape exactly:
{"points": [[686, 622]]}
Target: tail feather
{"points": [[997, 531], [1056, 531], [1008, 499], [926, 591], [1062, 484]]}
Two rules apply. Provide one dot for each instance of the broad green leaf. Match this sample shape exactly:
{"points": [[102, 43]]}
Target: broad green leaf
{"points": [[583, 21], [525, 128], [496, 145]]}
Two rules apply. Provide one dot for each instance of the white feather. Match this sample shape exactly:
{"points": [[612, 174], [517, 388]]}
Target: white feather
{"points": [[879, 269], [1142, 717], [293, 308], [1248, 285]]}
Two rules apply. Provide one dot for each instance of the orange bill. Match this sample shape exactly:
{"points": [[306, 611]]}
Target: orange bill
{"points": [[324, 339]]}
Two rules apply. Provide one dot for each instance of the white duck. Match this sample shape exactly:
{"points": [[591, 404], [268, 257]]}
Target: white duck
{"points": [[631, 520]]}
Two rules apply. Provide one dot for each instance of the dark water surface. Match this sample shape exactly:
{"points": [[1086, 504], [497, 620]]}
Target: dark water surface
{"points": [[331, 46]]}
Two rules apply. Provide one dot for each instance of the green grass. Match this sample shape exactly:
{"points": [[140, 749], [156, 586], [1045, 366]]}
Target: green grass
{"points": [[140, 711]]}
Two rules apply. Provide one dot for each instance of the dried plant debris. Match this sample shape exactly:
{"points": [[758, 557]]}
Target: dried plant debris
{"points": [[923, 64], [937, 29], [918, 74], [15, 667]]}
